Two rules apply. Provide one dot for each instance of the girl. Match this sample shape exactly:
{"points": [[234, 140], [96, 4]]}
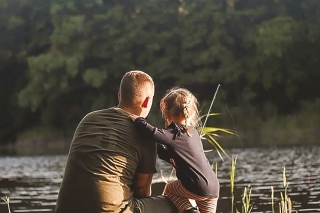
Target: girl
{"points": [[180, 144]]}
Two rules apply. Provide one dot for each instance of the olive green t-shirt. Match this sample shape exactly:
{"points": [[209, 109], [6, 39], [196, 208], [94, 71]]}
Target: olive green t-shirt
{"points": [[105, 153]]}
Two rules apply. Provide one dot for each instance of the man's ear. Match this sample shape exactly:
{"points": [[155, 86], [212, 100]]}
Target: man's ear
{"points": [[145, 103]]}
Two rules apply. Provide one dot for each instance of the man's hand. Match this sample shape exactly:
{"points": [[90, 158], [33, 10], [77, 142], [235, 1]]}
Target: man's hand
{"points": [[133, 117]]}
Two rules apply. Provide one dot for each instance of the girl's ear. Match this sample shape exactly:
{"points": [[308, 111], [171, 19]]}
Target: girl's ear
{"points": [[145, 102]]}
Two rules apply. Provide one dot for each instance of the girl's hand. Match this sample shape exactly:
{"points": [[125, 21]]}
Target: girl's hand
{"points": [[133, 117]]}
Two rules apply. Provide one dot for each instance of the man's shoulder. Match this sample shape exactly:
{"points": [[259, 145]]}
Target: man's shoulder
{"points": [[110, 110]]}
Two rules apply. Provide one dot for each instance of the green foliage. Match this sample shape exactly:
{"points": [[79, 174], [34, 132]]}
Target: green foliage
{"points": [[293, 130], [95, 77], [38, 141], [14, 22], [266, 41], [68, 56], [3, 3], [209, 133]]}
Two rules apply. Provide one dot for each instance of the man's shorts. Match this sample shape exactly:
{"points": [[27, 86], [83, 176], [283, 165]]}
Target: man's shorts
{"points": [[157, 204]]}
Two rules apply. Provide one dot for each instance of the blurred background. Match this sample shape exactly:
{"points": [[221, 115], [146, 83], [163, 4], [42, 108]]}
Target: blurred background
{"points": [[60, 59]]}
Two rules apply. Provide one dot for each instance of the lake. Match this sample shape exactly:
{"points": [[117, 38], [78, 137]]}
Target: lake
{"points": [[32, 183]]}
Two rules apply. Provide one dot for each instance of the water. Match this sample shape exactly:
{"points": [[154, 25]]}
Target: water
{"points": [[32, 183]]}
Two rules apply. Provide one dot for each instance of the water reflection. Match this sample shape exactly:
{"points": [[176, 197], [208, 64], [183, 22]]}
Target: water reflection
{"points": [[32, 183]]}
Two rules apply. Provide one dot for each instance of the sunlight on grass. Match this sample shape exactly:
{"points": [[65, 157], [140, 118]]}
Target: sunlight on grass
{"points": [[285, 204], [208, 134], [6, 199], [246, 205], [232, 178]]}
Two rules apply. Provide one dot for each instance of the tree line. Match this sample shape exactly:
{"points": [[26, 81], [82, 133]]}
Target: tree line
{"points": [[60, 59]]}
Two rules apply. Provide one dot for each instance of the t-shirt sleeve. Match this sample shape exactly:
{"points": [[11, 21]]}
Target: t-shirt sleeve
{"points": [[148, 151]]}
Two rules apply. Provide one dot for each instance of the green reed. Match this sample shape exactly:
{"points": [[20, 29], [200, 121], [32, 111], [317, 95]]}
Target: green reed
{"points": [[285, 204], [208, 133], [232, 176], [6, 199], [272, 199], [246, 205]]}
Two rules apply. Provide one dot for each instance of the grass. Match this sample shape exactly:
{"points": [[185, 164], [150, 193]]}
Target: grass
{"points": [[6, 199], [232, 180], [271, 129], [246, 205], [285, 204], [209, 133]]}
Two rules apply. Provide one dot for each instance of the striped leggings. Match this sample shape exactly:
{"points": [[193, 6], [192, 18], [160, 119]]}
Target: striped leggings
{"points": [[180, 197]]}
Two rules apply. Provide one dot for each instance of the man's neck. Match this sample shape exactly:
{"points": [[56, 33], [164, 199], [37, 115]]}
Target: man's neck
{"points": [[131, 110]]}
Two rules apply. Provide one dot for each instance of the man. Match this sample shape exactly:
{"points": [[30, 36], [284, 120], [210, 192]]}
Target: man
{"points": [[110, 165]]}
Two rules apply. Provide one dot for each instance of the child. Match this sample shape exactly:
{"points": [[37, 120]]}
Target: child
{"points": [[180, 144]]}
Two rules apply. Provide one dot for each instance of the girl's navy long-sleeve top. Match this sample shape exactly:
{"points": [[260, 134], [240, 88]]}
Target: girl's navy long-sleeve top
{"points": [[192, 166]]}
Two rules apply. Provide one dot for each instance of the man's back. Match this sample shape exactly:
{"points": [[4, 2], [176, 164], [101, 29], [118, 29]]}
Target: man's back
{"points": [[105, 154]]}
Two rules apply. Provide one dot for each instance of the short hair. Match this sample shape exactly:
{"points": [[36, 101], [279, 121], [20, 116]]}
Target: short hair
{"points": [[132, 87]]}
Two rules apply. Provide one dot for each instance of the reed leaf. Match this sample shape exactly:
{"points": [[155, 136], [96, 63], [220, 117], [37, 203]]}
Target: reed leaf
{"points": [[246, 200], [216, 145], [272, 198], [213, 130], [6, 199], [208, 132], [232, 176], [284, 177], [207, 115], [216, 170]]}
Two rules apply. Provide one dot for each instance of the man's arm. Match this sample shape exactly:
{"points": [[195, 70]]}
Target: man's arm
{"points": [[142, 185]]}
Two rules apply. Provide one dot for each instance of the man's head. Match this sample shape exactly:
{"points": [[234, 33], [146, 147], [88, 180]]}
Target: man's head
{"points": [[136, 92]]}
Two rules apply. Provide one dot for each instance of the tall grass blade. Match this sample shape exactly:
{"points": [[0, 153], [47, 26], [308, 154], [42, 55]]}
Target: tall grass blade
{"points": [[246, 207], [6, 199], [214, 97], [272, 198], [216, 145], [208, 132], [289, 205], [232, 179]]}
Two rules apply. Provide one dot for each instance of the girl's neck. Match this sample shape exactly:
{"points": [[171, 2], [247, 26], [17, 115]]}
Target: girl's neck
{"points": [[180, 121]]}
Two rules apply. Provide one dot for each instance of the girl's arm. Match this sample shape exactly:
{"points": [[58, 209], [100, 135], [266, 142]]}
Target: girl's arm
{"points": [[159, 135]]}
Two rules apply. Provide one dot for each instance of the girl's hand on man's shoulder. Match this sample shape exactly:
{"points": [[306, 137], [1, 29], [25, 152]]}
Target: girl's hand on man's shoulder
{"points": [[133, 117]]}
